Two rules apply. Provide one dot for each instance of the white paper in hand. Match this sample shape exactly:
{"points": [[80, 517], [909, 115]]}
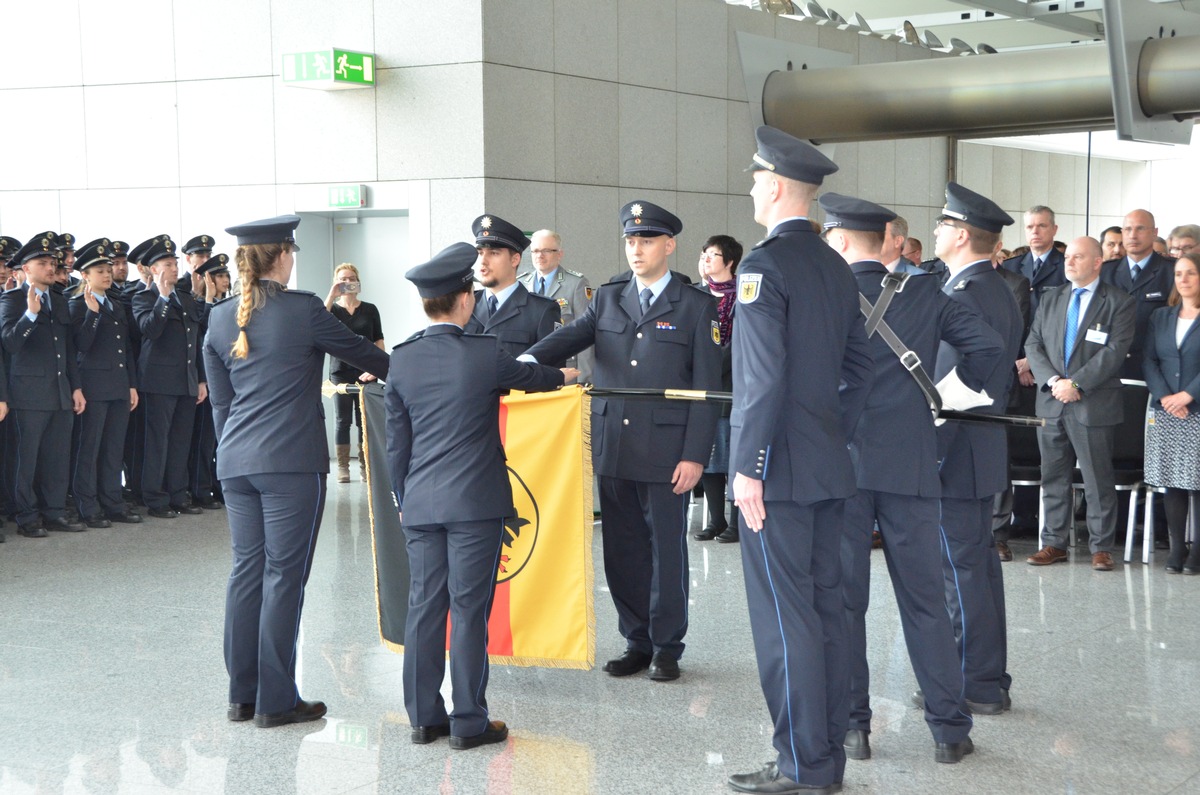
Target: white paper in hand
{"points": [[957, 396]]}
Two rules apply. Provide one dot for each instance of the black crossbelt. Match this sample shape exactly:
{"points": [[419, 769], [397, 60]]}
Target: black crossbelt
{"points": [[894, 283]]}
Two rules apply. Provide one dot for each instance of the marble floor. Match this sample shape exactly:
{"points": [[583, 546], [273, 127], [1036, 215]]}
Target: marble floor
{"points": [[112, 681]]}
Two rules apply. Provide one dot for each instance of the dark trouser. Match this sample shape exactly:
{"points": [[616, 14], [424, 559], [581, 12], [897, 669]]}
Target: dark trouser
{"points": [[202, 462], [1002, 513], [346, 410], [644, 526], [713, 484], [168, 442], [912, 546], [793, 579], [135, 448], [96, 479], [1062, 441], [8, 466], [274, 519], [974, 589], [42, 464], [453, 570]]}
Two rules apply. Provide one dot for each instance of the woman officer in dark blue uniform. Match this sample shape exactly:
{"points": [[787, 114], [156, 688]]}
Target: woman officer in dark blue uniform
{"points": [[265, 350], [107, 373]]}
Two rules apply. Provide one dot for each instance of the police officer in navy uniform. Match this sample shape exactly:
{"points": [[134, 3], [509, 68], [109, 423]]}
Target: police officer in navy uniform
{"points": [[265, 350], [43, 389], [506, 309], [802, 369], [196, 252], [9, 246], [107, 369], [651, 331], [452, 489], [135, 435], [202, 461], [1143, 273], [171, 380], [895, 455], [974, 457]]}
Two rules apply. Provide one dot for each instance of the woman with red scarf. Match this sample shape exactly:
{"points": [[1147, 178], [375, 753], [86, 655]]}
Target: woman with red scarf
{"points": [[718, 268]]}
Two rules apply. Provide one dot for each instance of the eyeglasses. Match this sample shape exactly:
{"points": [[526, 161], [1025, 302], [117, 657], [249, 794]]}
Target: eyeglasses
{"points": [[710, 256], [537, 252], [1181, 249], [943, 222]]}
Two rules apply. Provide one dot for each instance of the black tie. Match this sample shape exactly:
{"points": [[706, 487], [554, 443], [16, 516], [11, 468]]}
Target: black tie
{"points": [[493, 305], [1134, 272], [541, 285], [644, 301], [1037, 266]]}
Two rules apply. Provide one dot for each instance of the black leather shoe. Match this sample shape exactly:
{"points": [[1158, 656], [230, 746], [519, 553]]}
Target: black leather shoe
{"points": [[730, 536], [211, 504], [917, 699], [857, 744], [240, 712], [97, 522], [62, 525], [31, 530], [952, 753], [770, 780], [708, 533], [303, 711], [496, 732], [628, 663], [663, 668], [423, 735], [163, 513], [128, 517], [190, 510], [995, 708]]}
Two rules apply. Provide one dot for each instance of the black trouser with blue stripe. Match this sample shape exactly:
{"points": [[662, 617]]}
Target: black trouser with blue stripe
{"points": [[912, 545], [798, 619], [644, 526], [974, 586], [96, 478], [274, 519]]}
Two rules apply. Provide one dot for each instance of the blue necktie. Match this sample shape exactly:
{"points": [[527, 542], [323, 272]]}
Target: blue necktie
{"points": [[646, 295], [541, 285], [1072, 326], [493, 304], [1134, 272]]}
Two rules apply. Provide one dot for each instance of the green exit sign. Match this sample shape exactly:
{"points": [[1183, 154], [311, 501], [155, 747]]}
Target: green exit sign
{"points": [[343, 196], [330, 69]]}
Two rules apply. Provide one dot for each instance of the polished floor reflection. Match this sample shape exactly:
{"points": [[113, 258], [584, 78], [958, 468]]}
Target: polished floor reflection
{"points": [[112, 681]]}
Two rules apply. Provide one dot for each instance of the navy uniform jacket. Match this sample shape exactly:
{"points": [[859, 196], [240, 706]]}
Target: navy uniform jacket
{"points": [[107, 366], [520, 321], [42, 372], [1051, 275], [894, 445], [169, 362], [1023, 293], [1151, 292], [1170, 368], [671, 347], [443, 429], [1095, 366], [797, 334], [267, 407], [975, 457]]}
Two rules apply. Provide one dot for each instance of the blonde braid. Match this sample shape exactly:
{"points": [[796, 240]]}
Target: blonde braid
{"points": [[252, 262]]}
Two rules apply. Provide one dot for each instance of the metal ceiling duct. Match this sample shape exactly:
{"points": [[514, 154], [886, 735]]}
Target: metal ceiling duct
{"points": [[1011, 93]]}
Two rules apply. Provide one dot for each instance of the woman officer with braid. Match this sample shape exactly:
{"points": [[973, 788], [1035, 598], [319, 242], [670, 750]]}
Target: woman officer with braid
{"points": [[266, 348]]}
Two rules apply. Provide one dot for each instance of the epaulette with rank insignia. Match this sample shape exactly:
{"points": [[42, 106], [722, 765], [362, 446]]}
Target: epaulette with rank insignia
{"points": [[573, 273]]}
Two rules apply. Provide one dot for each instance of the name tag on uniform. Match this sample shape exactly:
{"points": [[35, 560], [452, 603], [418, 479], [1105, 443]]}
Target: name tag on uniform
{"points": [[1097, 336], [1154, 296]]}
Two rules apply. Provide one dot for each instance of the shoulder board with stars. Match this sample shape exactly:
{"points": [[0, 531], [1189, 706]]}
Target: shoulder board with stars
{"points": [[962, 284]]}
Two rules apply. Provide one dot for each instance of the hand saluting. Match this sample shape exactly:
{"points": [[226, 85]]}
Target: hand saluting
{"points": [[33, 301], [89, 298]]}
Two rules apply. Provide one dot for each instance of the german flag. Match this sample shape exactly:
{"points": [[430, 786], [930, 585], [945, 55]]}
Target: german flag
{"points": [[542, 613]]}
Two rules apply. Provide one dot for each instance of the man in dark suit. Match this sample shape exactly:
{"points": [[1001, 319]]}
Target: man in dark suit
{"points": [[1003, 508], [171, 381], [1143, 273], [506, 309], [802, 370], [1077, 346], [649, 332], [452, 490], [974, 457], [43, 389], [895, 454]]}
